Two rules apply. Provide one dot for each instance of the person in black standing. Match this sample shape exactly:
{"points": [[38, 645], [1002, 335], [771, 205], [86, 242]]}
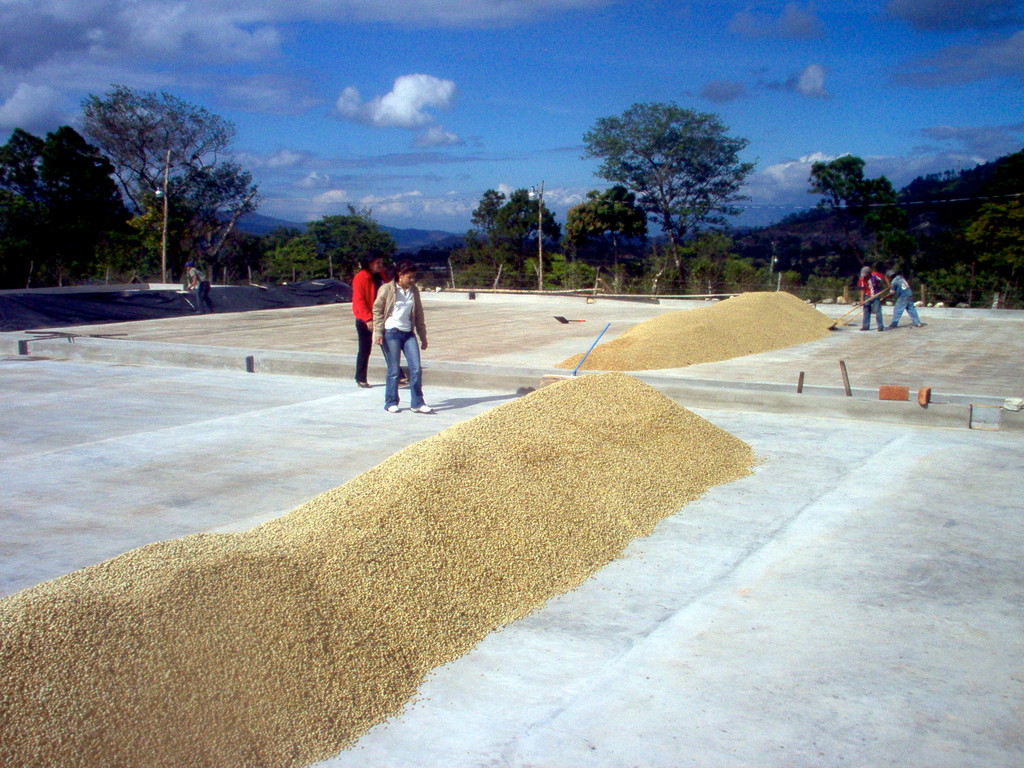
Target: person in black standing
{"points": [[195, 280]]}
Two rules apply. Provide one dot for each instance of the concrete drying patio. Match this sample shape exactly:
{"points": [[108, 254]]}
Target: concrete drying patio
{"points": [[855, 601]]}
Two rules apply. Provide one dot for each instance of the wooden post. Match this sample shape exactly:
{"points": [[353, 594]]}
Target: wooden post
{"points": [[846, 378], [800, 383]]}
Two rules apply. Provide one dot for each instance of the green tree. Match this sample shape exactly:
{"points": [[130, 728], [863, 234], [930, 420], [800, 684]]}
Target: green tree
{"points": [[515, 226], [708, 254], [295, 259], [17, 253], [997, 235], [739, 275], [560, 272], [1008, 176], [504, 238], [160, 142], [20, 159], [482, 257], [606, 216], [485, 218], [84, 207], [61, 203], [851, 198], [681, 164], [343, 240]]}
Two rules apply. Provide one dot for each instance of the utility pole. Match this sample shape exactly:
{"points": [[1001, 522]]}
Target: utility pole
{"points": [[163, 193], [539, 197]]}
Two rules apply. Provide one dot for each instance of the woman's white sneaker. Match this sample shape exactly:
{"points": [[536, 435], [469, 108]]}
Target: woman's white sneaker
{"points": [[424, 409], [393, 409]]}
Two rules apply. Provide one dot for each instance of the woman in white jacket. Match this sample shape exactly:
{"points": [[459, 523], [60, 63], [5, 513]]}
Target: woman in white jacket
{"points": [[397, 322]]}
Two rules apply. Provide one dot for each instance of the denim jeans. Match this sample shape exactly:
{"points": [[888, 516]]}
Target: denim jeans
{"points": [[396, 344], [873, 307], [904, 301]]}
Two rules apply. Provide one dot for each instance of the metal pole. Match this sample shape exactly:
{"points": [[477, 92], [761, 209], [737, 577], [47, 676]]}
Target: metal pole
{"points": [[163, 248], [540, 238]]}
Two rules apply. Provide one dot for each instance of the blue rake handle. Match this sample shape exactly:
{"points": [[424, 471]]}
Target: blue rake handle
{"points": [[591, 349]]}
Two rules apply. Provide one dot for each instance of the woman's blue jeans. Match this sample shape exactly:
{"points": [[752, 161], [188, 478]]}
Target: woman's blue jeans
{"points": [[396, 344]]}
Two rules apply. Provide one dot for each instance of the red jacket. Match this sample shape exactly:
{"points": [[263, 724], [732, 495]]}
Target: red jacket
{"points": [[364, 293], [872, 284]]}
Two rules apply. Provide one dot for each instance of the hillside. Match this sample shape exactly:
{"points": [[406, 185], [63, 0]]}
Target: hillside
{"points": [[813, 240], [406, 239]]}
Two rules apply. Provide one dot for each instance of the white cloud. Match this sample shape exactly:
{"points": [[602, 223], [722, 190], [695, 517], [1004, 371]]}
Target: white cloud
{"points": [[185, 29], [786, 179], [286, 158], [398, 205], [436, 136], [32, 108], [810, 82], [282, 159], [37, 31], [219, 30], [332, 196], [411, 208], [315, 180], [403, 107]]}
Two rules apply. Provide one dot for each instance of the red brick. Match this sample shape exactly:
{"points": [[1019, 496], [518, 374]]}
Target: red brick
{"points": [[890, 392]]}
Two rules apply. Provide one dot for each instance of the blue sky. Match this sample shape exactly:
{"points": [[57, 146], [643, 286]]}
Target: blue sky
{"points": [[414, 108]]}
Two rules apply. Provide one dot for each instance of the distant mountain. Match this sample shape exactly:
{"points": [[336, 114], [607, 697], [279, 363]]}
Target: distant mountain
{"points": [[936, 205], [258, 224], [406, 239], [415, 239]]}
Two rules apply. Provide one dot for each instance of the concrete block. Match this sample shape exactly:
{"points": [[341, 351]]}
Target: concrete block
{"points": [[892, 392]]}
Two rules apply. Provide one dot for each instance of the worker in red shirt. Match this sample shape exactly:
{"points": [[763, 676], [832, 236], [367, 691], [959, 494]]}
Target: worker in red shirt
{"points": [[873, 285], [364, 292]]}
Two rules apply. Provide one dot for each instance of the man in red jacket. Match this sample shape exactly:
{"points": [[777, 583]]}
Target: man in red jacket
{"points": [[873, 286]]}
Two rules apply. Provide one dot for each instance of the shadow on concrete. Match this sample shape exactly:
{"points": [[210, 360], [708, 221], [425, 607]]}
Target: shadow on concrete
{"points": [[454, 403]]}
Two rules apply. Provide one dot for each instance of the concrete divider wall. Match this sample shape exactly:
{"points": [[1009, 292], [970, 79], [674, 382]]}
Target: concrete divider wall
{"points": [[948, 411]]}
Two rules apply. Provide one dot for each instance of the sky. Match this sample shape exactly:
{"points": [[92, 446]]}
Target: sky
{"points": [[414, 108]]}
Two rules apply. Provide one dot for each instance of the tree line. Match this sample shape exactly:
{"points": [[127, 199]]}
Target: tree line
{"points": [[150, 183], [662, 227]]}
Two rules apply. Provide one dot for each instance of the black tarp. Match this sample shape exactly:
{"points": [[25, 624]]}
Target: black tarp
{"points": [[25, 310]]}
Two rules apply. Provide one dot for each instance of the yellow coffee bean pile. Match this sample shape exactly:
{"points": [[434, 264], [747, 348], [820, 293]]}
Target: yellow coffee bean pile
{"points": [[280, 645], [743, 325]]}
